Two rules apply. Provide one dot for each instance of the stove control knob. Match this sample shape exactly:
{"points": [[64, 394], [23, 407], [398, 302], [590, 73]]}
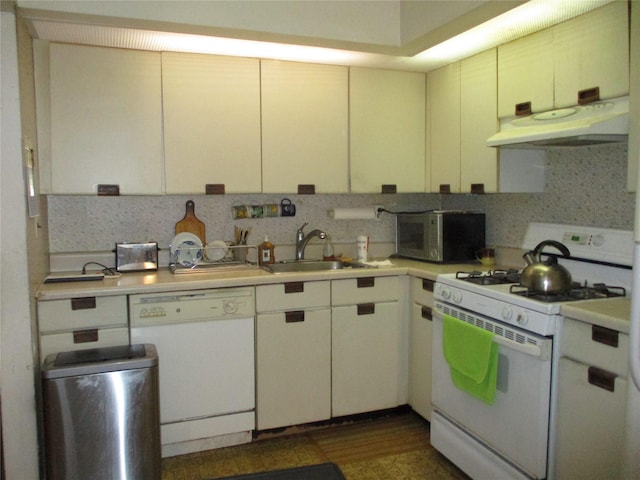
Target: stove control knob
{"points": [[446, 293], [521, 318], [456, 296], [507, 312]]}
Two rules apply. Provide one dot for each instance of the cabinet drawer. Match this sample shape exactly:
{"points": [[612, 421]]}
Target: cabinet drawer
{"points": [[365, 289], [422, 291], [597, 346], [292, 296], [77, 313], [82, 339]]}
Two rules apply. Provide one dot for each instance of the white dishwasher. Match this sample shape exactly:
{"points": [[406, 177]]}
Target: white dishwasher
{"points": [[206, 350]]}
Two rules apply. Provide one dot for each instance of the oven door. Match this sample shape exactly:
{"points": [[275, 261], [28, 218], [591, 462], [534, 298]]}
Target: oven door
{"points": [[509, 438]]}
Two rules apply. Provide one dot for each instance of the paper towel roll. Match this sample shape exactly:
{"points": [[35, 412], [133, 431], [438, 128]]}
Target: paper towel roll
{"points": [[365, 213]]}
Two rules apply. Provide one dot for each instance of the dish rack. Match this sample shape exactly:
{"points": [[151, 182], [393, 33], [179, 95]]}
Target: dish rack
{"points": [[194, 259]]}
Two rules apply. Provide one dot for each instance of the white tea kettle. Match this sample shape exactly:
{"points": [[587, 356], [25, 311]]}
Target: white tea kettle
{"points": [[547, 276]]}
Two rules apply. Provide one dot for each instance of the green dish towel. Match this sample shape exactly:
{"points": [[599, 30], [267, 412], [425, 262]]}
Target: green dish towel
{"points": [[472, 357]]}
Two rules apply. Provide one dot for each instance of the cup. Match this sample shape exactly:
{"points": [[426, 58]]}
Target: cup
{"points": [[362, 247], [486, 256], [271, 210], [287, 208]]}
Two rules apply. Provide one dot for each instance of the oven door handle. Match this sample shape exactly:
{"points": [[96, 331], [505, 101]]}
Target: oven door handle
{"points": [[539, 351]]}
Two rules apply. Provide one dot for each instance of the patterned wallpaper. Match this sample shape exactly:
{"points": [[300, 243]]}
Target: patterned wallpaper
{"points": [[584, 185]]}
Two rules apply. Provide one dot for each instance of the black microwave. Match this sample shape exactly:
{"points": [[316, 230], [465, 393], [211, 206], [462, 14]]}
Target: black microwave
{"points": [[440, 236]]}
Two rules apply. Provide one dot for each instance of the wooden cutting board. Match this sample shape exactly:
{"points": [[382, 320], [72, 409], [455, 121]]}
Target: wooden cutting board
{"points": [[191, 224]]}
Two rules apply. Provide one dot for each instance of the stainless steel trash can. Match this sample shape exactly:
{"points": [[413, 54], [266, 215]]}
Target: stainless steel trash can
{"points": [[101, 414]]}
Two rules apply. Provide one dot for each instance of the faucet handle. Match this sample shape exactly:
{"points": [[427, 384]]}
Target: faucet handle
{"points": [[302, 227]]}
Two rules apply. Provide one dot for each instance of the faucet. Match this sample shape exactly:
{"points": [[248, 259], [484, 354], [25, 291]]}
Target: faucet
{"points": [[302, 240]]}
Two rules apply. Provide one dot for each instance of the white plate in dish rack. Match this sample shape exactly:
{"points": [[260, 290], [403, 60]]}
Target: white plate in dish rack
{"points": [[216, 250], [186, 248]]}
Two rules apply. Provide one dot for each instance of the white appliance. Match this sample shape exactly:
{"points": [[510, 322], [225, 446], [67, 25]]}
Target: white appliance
{"points": [[594, 123], [205, 343], [512, 437]]}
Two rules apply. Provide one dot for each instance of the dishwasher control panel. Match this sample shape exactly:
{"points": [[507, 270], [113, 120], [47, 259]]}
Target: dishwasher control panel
{"points": [[190, 306]]}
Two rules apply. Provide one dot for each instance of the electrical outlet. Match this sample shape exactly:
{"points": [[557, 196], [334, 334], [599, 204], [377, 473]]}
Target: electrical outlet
{"points": [[378, 212]]}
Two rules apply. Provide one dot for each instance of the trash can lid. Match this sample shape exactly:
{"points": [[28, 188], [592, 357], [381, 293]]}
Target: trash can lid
{"points": [[99, 360]]}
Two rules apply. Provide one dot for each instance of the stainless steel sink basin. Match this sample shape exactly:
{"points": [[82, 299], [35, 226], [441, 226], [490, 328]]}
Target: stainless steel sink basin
{"points": [[293, 266]]}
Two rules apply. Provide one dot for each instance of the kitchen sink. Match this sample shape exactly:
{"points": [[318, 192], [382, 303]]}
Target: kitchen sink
{"points": [[292, 266]]}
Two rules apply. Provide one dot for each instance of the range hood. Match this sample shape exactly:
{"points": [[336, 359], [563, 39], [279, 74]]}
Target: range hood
{"points": [[595, 123]]}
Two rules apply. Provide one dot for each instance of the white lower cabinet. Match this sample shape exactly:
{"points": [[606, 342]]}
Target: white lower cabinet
{"points": [[293, 354], [420, 349], [592, 396], [365, 345]]}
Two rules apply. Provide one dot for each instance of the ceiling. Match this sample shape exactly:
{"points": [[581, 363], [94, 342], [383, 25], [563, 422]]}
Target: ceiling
{"points": [[375, 33]]}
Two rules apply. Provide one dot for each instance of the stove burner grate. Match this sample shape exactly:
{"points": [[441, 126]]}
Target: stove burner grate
{"points": [[576, 292], [495, 277]]}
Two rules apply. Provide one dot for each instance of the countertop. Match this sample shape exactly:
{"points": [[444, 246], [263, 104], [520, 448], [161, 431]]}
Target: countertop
{"points": [[613, 313], [165, 281]]}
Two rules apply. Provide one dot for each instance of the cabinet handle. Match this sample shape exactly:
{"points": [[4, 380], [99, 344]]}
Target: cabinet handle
{"points": [[294, 316], [105, 190], [427, 313], [588, 95], [214, 189], [389, 188], [366, 309], [294, 287], [477, 188], [445, 188], [306, 189], [603, 335], [366, 282], [602, 379], [84, 303], [85, 336], [427, 284], [523, 108]]}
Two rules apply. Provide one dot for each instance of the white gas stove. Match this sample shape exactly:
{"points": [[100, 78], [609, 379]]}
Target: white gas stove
{"points": [[494, 436]]}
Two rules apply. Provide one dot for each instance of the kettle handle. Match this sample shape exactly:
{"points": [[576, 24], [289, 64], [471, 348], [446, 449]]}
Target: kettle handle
{"points": [[563, 249]]}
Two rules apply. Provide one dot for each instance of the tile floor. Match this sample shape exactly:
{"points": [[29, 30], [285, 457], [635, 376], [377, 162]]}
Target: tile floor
{"points": [[389, 448]]}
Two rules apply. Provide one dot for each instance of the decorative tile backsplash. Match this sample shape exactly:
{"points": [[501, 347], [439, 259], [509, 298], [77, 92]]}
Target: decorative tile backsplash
{"points": [[585, 186]]}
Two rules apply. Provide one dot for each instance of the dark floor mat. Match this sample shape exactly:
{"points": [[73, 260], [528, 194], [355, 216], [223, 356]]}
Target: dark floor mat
{"points": [[324, 471]]}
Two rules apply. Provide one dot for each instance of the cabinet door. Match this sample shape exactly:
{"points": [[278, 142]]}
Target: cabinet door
{"points": [[365, 362], [525, 73], [387, 125], [478, 121], [420, 346], [590, 425], [293, 368], [211, 108], [444, 128], [592, 50], [304, 127], [106, 120]]}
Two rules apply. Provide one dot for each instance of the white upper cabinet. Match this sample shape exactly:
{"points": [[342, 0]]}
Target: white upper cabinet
{"points": [[592, 50], [387, 128], [443, 98], [211, 109], [549, 68], [461, 100], [106, 120], [525, 73], [478, 121], [304, 127]]}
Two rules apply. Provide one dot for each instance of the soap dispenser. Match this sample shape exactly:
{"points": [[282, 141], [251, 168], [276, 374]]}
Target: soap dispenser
{"points": [[265, 252]]}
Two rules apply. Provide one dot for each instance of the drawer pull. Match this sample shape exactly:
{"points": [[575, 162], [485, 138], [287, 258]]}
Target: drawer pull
{"points": [[588, 95], [523, 108], [306, 189], [294, 287], [85, 336], [366, 282], [427, 313], [389, 188], [105, 190], [366, 309], [602, 379], [294, 316], [214, 189], [477, 188], [84, 303], [427, 284], [604, 335], [445, 188]]}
